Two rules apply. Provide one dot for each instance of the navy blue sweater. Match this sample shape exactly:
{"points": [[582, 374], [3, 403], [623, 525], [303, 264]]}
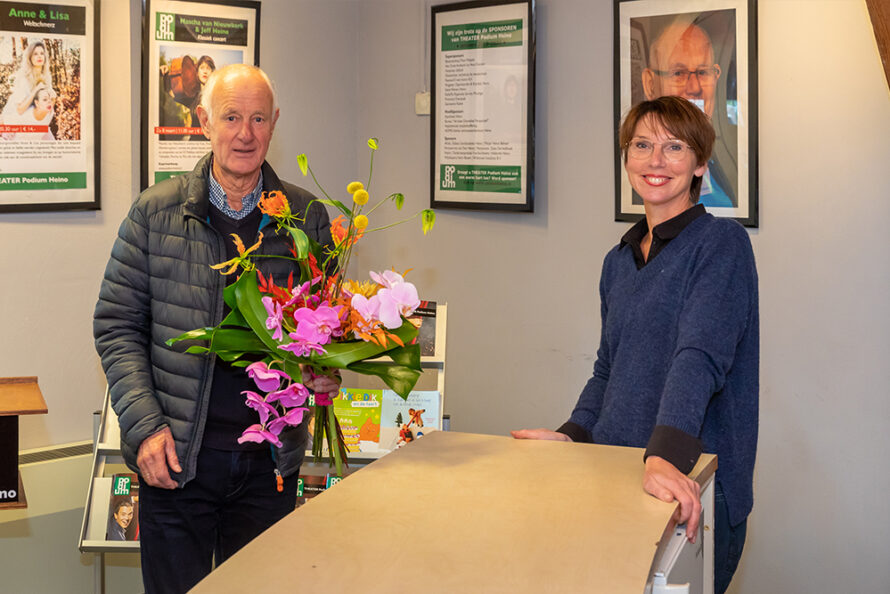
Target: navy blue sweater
{"points": [[680, 348]]}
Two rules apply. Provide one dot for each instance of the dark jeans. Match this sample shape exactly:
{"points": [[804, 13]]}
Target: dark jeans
{"points": [[728, 543], [232, 499]]}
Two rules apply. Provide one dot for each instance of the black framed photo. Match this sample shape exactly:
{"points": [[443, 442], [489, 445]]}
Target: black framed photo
{"points": [[184, 42], [49, 106], [482, 105], [706, 52]]}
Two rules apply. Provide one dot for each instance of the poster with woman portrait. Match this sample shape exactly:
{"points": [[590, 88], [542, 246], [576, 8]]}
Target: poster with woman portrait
{"points": [[185, 42], [49, 151], [703, 51]]}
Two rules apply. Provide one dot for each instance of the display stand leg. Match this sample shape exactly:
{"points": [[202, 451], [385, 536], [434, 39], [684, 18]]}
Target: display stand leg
{"points": [[99, 573]]}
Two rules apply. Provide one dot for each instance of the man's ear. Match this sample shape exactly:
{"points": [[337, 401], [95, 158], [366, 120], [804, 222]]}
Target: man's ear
{"points": [[275, 118], [648, 78], [205, 120]]}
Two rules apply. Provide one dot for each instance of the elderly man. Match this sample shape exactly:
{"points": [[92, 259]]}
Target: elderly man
{"points": [[681, 62], [202, 493]]}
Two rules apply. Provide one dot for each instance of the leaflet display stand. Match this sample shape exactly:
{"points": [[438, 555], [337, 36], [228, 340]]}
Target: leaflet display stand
{"points": [[18, 396]]}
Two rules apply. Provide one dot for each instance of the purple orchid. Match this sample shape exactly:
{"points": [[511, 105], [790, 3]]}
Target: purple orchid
{"points": [[261, 405], [388, 278], [293, 395], [301, 348], [273, 322], [266, 379], [400, 300], [258, 434], [316, 326], [292, 417]]}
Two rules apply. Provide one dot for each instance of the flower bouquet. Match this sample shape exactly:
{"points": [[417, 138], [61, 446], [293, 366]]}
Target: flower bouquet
{"points": [[318, 325]]}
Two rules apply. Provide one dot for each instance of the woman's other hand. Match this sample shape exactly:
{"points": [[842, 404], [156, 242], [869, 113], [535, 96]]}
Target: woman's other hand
{"points": [[662, 480], [540, 434]]}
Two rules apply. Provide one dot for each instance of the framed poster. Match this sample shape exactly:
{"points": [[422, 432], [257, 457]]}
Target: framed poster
{"points": [[705, 51], [49, 105], [483, 105], [185, 41]]}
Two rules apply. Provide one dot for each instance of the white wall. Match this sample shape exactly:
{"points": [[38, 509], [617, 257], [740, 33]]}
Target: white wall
{"points": [[521, 288]]}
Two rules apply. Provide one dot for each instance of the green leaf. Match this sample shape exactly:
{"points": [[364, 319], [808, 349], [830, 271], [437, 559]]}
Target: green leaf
{"points": [[301, 242], [343, 354], [249, 301], [197, 334], [303, 162], [399, 378], [372, 143], [336, 204], [399, 199], [428, 217], [234, 319]]}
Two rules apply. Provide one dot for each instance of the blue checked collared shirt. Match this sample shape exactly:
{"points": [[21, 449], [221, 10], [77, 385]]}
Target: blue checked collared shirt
{"points": [[248, 203]]}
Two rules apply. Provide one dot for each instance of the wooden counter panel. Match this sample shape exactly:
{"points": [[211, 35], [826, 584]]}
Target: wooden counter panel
{"points": [[457, 512]]}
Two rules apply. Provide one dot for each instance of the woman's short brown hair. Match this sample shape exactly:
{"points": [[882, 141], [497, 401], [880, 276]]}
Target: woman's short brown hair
{"points": [[683, 120]]}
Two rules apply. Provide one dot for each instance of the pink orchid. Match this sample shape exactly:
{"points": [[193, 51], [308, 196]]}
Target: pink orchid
{"points": [[301, 291], [273, 322], [324, 399], [292, 417], [301, 348], [316, 326], [388, 278], [266, 379], [293, 395], [261, 405], [258, 434], [401, 300]]}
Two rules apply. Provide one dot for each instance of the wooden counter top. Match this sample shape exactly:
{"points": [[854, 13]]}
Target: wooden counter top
{"points": [[465, 513]]}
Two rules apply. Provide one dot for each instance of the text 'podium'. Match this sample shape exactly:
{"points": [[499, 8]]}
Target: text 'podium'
{"points": [[18, 396]]}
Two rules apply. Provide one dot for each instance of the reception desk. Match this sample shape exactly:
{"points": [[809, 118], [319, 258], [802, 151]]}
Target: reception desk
{"points": [[458, 512]]}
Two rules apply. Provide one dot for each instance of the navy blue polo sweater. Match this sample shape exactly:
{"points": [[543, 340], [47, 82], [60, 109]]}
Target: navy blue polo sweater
{"points": [[680, 349]]}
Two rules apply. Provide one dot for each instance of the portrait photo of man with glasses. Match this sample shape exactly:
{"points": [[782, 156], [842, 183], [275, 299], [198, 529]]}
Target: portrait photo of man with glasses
{"points": [[693, 56]]}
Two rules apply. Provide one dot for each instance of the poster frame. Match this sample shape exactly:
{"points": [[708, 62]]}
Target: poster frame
{"points": [[148, 45], [746, 207], [437, 200], [88, 121]]}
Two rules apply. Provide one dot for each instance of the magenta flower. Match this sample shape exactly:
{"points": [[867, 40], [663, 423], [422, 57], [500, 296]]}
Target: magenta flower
{"points": [[388, 279], [261, 405], [293, 395], [258, 434], [324, 399], [292, 417], [316, 326], [266, 379], [301, 348], [299, 292], [273, 322], [400, 300]]}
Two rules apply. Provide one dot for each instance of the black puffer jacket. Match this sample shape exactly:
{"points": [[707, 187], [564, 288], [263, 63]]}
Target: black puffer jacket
{"points": [[159, 284]]}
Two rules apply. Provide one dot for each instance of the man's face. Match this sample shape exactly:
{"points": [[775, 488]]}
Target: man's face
{"points": [[124, 516], [242, 125], [684, 49]]}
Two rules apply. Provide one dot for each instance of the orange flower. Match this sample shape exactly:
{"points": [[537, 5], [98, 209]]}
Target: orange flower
{"points": [[338, 231], [242, 259], [274, 204]]}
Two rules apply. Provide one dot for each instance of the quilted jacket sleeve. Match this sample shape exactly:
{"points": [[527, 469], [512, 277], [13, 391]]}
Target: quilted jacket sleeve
{"points": [[121, 328]]}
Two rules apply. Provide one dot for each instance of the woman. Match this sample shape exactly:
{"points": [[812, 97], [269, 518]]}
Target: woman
{"points": [[205, 67], [33, 75], [677, 367]]}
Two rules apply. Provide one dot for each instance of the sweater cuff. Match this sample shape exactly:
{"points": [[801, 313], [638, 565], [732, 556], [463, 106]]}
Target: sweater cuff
{"points": [[677, 447], [575, 432]]}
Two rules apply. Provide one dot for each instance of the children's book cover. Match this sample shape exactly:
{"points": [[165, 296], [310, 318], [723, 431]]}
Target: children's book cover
{"points": [[358, 412], [404, 420]]}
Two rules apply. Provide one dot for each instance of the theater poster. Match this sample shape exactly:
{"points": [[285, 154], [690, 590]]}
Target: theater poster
{"points": [[483, 105], [49, 126], [185, 41]]}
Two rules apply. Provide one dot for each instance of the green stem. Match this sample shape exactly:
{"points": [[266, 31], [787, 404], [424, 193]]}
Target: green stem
{"points": [[370, 171], [312, 173], [414, 216]]}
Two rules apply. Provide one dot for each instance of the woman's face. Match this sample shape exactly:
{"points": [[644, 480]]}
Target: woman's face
{"points": [[38, 57], [657, 179], [204, 71]]}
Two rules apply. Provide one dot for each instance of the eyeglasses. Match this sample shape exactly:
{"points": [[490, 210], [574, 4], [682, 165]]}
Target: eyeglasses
{"points": [[679, 77], [673, 150]]}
